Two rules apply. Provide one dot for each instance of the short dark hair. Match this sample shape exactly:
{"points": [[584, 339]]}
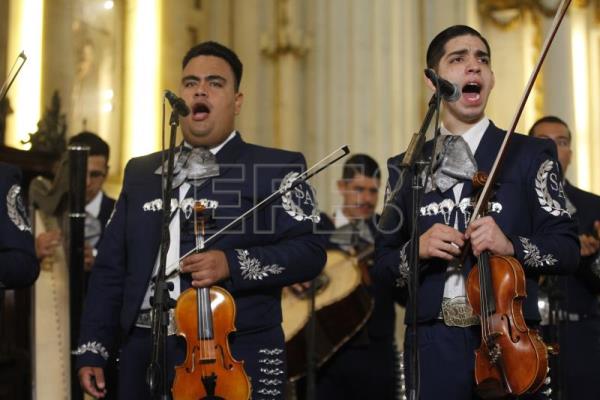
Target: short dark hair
{"points": [[551, 119], [98, 147], [360, 164], [215, 49], [436, 49]]}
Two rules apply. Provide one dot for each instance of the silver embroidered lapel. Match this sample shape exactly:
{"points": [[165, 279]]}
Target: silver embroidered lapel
{"points": [[533, 258], [252, 268], [16, 209]]}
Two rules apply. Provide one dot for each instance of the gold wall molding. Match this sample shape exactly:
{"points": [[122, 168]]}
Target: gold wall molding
{"points": [[506, 14], [287, 39]]}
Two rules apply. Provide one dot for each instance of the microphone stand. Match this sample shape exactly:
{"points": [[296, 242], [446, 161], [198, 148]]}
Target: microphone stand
{"points": [[414, 162], [78, 156], [156, 374]]}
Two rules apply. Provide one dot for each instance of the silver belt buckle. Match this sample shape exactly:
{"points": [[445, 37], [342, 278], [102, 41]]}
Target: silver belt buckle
{"points": [[144, 320], [458, 312]]}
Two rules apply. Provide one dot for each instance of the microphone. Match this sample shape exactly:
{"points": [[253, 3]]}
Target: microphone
{"points": [[177, 103], [449, 91]]}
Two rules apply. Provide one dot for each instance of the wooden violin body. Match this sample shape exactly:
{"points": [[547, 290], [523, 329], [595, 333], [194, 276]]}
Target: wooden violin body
{"points": [[512, 359], [209, 371]]}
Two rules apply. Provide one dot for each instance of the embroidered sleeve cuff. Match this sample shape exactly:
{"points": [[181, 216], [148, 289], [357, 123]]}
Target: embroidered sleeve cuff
{"points": [[529, 254], [93, 348], [251, 269]]}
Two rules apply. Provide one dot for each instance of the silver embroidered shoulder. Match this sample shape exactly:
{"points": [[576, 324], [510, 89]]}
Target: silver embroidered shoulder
{"points": [[299, 194], [94, 347], [252, 269], [546, 201], [533, 258], [16, 209]]}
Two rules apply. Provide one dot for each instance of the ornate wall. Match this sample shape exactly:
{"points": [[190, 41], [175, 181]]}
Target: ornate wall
{"points": [[318, 74]]}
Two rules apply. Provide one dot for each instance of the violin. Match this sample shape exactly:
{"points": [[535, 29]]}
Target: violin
{"points": [[204, 318], [512, 359]]}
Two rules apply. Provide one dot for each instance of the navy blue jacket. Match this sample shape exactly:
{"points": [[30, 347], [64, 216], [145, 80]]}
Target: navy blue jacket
{"points": [[581, 289], [19, 266], [528, 205], [106, 207], [271, 250]]}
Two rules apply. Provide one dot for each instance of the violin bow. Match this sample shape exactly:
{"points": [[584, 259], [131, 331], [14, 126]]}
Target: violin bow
{"points": [[486, 191]]}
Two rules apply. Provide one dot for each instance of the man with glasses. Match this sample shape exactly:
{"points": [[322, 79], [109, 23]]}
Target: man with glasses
{"points": [[98, 205]]}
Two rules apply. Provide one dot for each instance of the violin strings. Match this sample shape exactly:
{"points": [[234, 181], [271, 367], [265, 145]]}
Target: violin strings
{"points": [[483, 312]]}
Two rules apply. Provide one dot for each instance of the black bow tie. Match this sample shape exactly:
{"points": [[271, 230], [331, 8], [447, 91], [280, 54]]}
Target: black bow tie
{"points": [[451, 164], [194, 165]]}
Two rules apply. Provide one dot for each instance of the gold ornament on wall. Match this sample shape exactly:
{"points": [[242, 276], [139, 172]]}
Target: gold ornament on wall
{"points": [[287, 39], [506, 13]]}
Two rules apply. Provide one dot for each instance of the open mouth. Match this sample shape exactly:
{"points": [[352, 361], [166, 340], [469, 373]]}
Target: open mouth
{"points": [[471, 91], [200, 111]]}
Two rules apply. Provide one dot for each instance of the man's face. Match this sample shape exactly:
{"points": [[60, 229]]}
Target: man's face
{"points": [[97, 169], [208, 88], [466, 63], [560, 135], [359, 196]]}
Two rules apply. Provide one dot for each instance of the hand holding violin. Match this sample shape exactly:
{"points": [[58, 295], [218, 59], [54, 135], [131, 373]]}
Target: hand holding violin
{"points": [[485, 234], [206, 268]]}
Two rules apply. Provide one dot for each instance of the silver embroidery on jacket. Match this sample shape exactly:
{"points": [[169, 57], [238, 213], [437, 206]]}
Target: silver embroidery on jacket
{"points": [[300, 203], [94, 347], [16, 209], [533, 258], [270, 361], [271, 371], [156, 205], [271, 352], [269, 392], [186, 205], [548, 204], [447, 206], [252, 268], [270, 382], [403, 267]]}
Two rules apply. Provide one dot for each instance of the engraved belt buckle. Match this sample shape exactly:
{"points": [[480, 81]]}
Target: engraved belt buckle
{"points": [[458, 312], [144, 320]]}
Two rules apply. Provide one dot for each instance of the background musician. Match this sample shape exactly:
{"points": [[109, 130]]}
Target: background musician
{"points": [[370, 356], [275, 248], [579, 310], [536, 229], [98, 205]]}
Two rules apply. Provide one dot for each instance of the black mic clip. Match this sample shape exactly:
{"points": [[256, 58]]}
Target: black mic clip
{"points": [[448, 90], [177, 103]]}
